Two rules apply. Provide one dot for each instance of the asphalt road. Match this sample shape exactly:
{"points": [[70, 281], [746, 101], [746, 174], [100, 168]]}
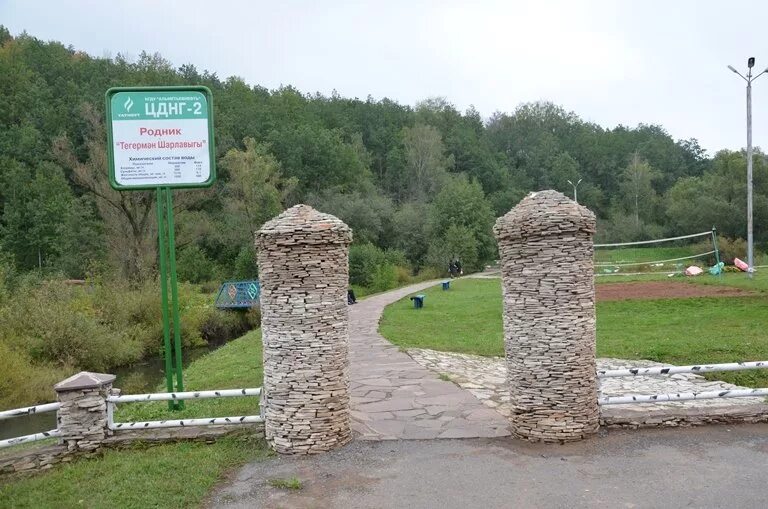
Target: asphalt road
{"points": [[714, 466]]}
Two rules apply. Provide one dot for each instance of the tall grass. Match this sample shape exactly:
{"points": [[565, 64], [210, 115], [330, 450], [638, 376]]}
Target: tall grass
{"points": [[52, 329]]}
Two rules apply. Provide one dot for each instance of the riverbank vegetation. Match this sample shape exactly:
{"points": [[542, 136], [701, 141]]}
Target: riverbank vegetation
{"points": [[168, 475], [52, 328]]}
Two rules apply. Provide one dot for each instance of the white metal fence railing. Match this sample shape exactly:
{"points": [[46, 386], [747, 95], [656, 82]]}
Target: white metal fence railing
{"points": [[682, 396], [30, 410], [112, 401]]}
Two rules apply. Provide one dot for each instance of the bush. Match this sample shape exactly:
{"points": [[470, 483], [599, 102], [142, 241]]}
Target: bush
{"points": [[245, 266], [253, 317], [194, 265], [377, 270], [364, 259], [731, 248], [395, 257], [52, 329], [138, 308], [221, 326], [8, 276], [458, 242], [384, 278], [54, 323], [428, 273], [209, 287], [22, 382], [403, 275]]}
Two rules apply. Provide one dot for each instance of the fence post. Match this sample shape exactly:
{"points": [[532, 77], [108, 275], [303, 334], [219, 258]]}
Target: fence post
{"points": [[546, 249], [82, 418], [304, 274]]}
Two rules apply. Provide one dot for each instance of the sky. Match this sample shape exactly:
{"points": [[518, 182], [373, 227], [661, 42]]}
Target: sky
{"points": [[611, 62]]}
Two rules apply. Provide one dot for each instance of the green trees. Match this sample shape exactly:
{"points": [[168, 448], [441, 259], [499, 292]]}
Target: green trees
{"points": [[255, 189], [318, 158], [42, 222], [426, 165], [126, 217], [460, 221], [718, 197], [426, 181], [252, 189], [637, 188]]}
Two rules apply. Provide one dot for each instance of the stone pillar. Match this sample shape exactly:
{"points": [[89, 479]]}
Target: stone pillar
{"points": [[304, 274], [82, 418], [546, 247]]}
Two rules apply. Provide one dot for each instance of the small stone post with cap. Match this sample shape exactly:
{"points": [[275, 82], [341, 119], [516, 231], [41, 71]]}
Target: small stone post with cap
{"points": [[82, 418], [546, 247], [304, 275]]}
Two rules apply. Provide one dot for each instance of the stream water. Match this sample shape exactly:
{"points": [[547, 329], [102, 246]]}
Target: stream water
{"points": [[143, 376]]}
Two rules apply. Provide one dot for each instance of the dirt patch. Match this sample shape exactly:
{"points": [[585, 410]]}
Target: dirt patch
{"points": [[663, 290]]}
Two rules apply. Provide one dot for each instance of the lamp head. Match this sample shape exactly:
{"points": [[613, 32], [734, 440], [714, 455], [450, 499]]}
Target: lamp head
{"points": [[751, 62], [733, 69]]}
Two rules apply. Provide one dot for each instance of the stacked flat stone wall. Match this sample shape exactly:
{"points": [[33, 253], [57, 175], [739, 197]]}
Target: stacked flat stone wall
{"points": [[82, 418], [39, 458], [546, 247], [304, 274]]}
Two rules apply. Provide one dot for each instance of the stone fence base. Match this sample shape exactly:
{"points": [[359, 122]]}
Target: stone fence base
{"points": [[682, 417], [31, 458], [38, 458]]}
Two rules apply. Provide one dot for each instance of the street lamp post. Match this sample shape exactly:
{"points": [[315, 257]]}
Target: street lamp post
{"points": [[749, 79], [575, 196]]}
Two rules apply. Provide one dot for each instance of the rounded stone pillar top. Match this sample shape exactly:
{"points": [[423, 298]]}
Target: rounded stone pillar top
{"points": [[84, 380], [301, 224], [544, 213]]}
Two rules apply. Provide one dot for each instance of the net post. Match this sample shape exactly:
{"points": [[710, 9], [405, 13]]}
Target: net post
{"points": [[717, 250]]}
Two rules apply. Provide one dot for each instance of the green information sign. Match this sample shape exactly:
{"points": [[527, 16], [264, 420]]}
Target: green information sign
{"points": [[160, 137]]}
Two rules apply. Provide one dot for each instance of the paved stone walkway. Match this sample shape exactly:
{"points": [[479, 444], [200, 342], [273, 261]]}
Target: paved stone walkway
{"points": [[399, 395], [394, 397], [485, 378]]}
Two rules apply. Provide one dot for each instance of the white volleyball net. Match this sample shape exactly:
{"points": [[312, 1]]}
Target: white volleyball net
{"points": [[659, 256]]}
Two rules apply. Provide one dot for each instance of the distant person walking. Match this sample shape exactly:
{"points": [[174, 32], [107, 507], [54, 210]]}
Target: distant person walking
{"points": [[454, 268]]}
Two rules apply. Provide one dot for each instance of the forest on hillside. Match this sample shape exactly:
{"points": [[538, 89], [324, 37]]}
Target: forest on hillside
{"points": [[418, 184]]}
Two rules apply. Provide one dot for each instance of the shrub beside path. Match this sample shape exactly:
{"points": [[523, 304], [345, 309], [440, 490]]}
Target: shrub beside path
{"points": [[394, 397]]}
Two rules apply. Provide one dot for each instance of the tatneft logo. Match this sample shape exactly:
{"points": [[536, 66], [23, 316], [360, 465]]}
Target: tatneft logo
{"points": [[127, 105]]}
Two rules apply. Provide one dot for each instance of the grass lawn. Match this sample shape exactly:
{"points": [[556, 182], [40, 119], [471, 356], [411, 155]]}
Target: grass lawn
{"points": [[467, 319], [169, 475], [464, 319], [235, 365]]}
